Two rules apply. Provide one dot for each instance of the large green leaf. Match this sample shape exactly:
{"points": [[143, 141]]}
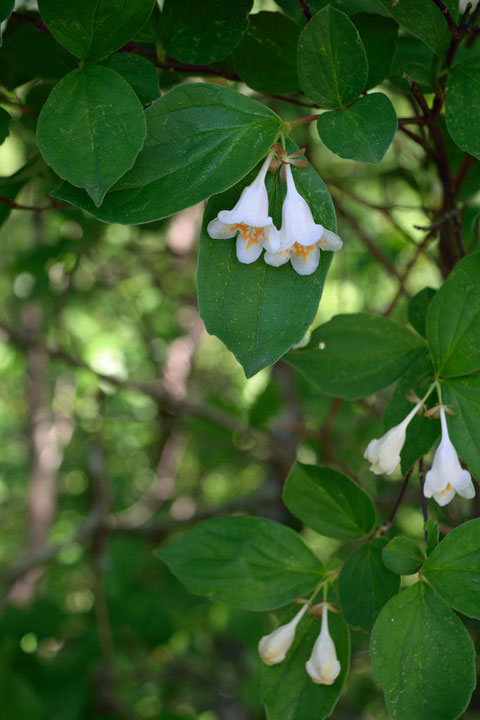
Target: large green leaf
{"points": [[418, 308], [288, 692], [353, 356], [453, 568], [92, 29], [32, 53], [332, 66], [463, 102], [139, 72], [421, 432], [201, 139], [328, 502], [361, 132], [266, 58], [423, 19], [453, 320], [202, 32], [365, 584], [402, 556], [379, 37], [248, 562], [422, 656], [464, 394], [79, 135], [257, 310]]}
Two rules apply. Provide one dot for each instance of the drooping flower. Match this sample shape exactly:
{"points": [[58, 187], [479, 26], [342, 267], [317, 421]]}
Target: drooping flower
{"points": [[301, 238], [384, 453], [249, 221], [323, 666], [447, 476], [273, 648]]}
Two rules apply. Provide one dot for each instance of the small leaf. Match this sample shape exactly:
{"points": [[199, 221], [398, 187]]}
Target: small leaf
{"points": [[453, 320], [79, 135], [365, 584], [464, 427], [453, 568], [423, 19], [431, 528], [332, 66], [379, 37], [139, 72], [418, 308], [202, 32], [402, 556], [257, 310], [266, 58], [328, 502], [422, 656], [220, 135], [288, 692], [363, 131], [248, 562], [355, 355], [463, 103], [92, 29]]}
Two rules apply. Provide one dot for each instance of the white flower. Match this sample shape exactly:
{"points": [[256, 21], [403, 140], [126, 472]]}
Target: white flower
{"points": [[447, 476], [249, 221], [463, 5], [300, 237], [274, 647], [384, 453], [323, 666]]}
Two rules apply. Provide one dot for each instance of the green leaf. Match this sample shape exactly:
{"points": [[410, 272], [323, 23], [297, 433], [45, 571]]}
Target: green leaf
{"points": [[138, 72], [266, 58], [79, 135], [220, 136], [32, 53], [202, 32], [423, 19], [422, 656], [402, 556], [463, 103], [4, 125], [328, 502], [431, 528], [355, 355], [415, 59], [363, 131], [464, 426], [259, 311], [332, 66], [92, 29], [453, 568], [453, 320], [11, 185], [421, 432], [379, 37], [365, 585], [418, 308], [6, 8], [288, 692], [249, 562]]}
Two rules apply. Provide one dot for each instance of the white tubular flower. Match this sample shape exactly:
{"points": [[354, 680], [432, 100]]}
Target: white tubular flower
{"points": [[274, 647], [447, 476], [384, 453], [323, 666], [249, 221]]}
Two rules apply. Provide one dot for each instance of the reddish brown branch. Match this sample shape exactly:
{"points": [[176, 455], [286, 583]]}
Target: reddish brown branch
{"points": [[306, 9], [452, 25], [17, 206]]}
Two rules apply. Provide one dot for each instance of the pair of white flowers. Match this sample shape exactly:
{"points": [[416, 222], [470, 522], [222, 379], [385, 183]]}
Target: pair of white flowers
{"points": [[322, 666], [446, 476], [298, 240]]}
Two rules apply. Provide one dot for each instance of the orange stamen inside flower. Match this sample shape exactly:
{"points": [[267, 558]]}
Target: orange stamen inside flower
{"points": [[446, 489], [250, 235], [302, 250]]}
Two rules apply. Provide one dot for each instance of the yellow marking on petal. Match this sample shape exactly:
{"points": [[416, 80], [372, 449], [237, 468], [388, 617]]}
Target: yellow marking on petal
{"points": [[250, 235], [445, 489], [302, 250]]}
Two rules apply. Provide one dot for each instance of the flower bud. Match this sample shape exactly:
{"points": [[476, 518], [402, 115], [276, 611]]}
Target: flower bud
{"points": [[274, 647], [323, 666], [384, 453]]}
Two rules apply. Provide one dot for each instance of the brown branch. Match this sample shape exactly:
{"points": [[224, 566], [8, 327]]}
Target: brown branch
{"points": [[17, 206], [386, 526], [420, 141], [452, 25], [306, 9], [23, 17]]}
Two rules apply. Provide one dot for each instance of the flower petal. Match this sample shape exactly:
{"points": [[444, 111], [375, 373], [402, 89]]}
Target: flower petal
{"points": [[218, 230], [248, 252], [277, 259], [305, 259], [330, 241]]}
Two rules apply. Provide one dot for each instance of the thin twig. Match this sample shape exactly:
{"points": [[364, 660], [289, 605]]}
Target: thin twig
{"points": [[452, 25], [306, 9], [386, 526]]}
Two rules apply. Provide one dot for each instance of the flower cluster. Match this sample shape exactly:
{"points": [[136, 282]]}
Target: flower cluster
{"points": [[446, 476], [299, 239], [322, 666]]}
